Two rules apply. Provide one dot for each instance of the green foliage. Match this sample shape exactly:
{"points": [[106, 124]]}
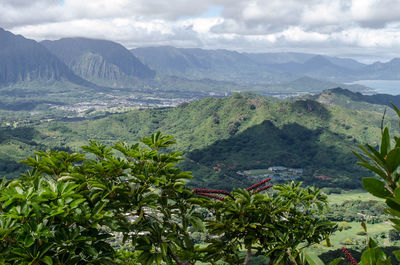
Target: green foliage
{"points": [[385, 163], [71, 208], [333, 254], [369, 211], [43, 221], [273, 225], [64, 210], [374, 255], [394, 235], [316, 261], [301, 133]]}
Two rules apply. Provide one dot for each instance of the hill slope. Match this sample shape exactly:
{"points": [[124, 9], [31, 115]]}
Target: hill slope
{"points": [[244, 132], [357, 101], [223, 137]]}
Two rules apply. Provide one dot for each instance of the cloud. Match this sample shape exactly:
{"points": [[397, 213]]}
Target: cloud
{"points": [[375, 14], [327, 26], [131, 32]]}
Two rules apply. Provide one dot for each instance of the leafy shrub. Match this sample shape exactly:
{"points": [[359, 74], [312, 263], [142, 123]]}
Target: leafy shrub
{"points": [[72, 208]]}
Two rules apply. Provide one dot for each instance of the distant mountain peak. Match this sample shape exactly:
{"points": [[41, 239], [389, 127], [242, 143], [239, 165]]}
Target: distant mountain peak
{"points": [[100, 61], [395, 61], [23, 59], [318, 60]]}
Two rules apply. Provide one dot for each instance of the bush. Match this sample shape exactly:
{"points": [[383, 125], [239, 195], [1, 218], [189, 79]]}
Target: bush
{"points": [[73, 208], [394, 235], [66, 208], [344, 226]]}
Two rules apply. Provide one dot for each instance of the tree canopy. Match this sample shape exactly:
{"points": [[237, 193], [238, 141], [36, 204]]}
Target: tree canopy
{"points": [[87, 208]]}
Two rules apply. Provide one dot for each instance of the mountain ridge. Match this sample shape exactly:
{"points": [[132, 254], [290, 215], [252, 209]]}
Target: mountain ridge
{"points": [[296, 133], [254, 67], [100, 61], [23, 59]]}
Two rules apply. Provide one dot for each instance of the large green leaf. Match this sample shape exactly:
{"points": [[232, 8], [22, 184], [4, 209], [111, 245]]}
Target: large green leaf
{"points": [[336, 261], [376, 187], [374, 256], [385, 142], [396, 253], [393, 159], [393, 204], [313, 260], [47, 260]]}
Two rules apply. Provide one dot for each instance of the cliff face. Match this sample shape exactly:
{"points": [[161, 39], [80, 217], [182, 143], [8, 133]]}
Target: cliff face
{"points": [[102, 62], [22, 59]]}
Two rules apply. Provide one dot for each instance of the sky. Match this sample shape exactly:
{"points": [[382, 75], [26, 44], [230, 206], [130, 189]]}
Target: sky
{"points": [[367, 30]]}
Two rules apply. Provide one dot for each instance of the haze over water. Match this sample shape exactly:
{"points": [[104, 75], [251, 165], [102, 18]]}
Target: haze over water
{"points": [[391, 87]]}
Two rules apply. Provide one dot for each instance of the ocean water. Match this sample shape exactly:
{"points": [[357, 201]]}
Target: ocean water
{"points": [[391, 87]]}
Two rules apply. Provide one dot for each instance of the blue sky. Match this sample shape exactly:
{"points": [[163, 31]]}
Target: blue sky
{"points": [[213, 11], [367, 30]]}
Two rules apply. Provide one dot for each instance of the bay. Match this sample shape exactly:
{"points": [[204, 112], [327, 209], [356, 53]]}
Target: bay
{"points": [[391, 87]]}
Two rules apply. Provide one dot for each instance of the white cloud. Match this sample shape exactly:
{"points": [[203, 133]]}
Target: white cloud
{"points": [[388, 38], [328, 26], [296, 34]]}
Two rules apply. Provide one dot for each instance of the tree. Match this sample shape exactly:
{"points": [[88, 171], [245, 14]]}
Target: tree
{"points": [[269, 224], [44, 221], [70, 207], [65, 208]]}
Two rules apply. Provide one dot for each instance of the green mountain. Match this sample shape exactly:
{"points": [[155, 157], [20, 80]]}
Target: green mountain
{"points": [[222, 138], [357, 101], [24, 60], [102, 62]]}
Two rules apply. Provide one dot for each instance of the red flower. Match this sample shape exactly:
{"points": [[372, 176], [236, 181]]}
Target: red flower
{"points": [[212, 191], [263, 188], [348, 256], [211, 196], [258, 184]]}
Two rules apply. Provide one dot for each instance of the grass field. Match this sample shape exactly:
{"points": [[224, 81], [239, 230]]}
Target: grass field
{"points": [[351, 195], [351, 238]]}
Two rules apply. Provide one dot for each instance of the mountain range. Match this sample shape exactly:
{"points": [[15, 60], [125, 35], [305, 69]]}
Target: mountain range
{"points": [[247, 67], [88, 62], [220, 137], [262, 67]]}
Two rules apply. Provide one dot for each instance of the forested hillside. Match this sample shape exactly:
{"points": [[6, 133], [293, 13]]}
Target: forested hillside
{"points": [[224, 137]]}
